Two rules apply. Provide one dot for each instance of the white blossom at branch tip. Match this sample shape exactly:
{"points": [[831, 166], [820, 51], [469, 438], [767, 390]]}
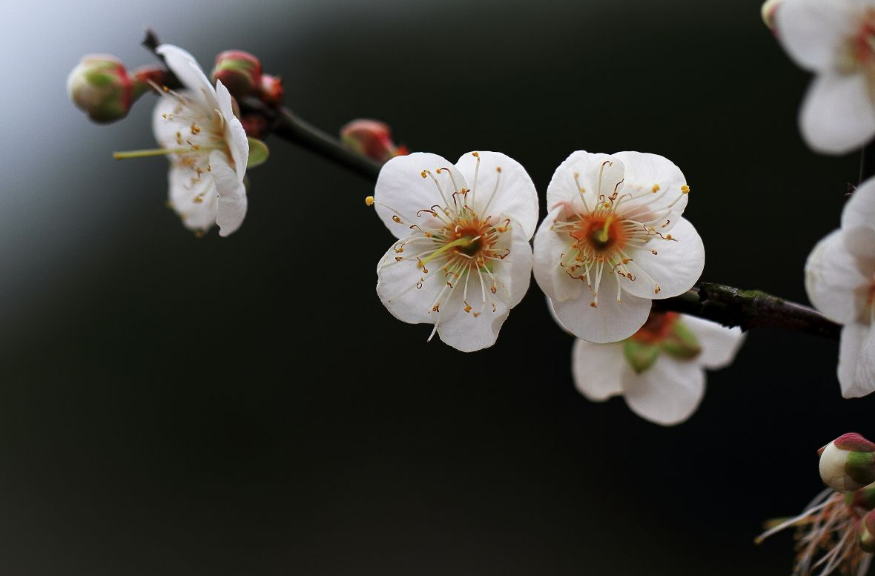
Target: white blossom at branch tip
{"points": [[668, 388], [209, 144], [840, 282], [836, 41], [462, 259], [614, 240]]}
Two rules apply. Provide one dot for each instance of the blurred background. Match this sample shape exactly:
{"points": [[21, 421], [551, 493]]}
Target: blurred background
{"points": [[179, 406]]}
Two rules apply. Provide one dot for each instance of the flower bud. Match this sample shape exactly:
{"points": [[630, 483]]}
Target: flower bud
{"points": [[239, 71], [848, 463], [866, 535], [768, 12], [255, 125], [372, 139], [272, 91], [101, 87]]}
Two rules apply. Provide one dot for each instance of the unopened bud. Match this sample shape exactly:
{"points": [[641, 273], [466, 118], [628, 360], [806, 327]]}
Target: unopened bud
{"points": [[239, 71], [372, 139], [272, 91], [866, 535], [847, 463], [863, 498], [255, 125], [768, 12], [100, 86]]}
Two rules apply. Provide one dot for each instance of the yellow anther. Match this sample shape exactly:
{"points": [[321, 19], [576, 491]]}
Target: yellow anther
{"points": [[685, 189], [369, 200], [424, 174], [396, 219], [475, 154], [498, 169], [655, 188]]}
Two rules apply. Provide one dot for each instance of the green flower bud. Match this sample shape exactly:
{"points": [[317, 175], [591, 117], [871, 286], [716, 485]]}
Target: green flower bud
{"points": [[239, 71], [848, 463], [100, 86]]}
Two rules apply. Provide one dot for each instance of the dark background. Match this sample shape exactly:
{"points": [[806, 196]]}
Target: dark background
{"points": [[246, 405]]}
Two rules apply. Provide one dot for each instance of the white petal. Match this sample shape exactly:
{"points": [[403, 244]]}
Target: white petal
{"points": [[860, 242], [402, 191], [860, 209], [838, 114], [813, 31], [719, 343], [231, 208], [611, 321], [550, 276], [598, 369], [510, 192], [403, 288], [188, 71], [474, 330], [676, 266], [587, 167], [856, 370], [166, 128], [656, 184], [515, 271], [552, 310], [194, 199], [235, 135], [834, 282], [667, 393]]}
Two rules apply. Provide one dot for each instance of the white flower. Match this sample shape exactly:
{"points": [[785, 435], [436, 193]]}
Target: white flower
{"points": [[835, 39], [613, 240], [209, 149], [462, 259], [840, 281], [660, 371]]}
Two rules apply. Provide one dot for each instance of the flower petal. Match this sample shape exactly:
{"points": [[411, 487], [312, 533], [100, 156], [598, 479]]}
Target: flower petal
{"points": [[655, 185], [193, 197], [611, 321], [232, 204], [838, 114], [813, 32], [595, 173], [165, 124], [834, 282], [515, 271], [719, 343], [403, 288], [860, 242], [188, 71], [598, 369], [235, 135], [473, 330], [500, 185], [856, 370], [667, 393], [549, 247], [676, 266], [402, 191], [860, 209]]}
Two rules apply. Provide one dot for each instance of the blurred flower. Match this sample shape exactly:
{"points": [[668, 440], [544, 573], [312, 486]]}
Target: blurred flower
{"points": [[768, 12], [272, 90], [847, 463], [836, 41], [206, 145], [613, 240], [828, 532], [840, 281], [660, 370], [239, 71], [101, 87], [463, 258], [372, 139]]}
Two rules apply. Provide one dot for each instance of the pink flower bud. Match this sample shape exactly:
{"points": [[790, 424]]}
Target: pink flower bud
{"points": [[372, 139], [848, 463], [100, 86], [272, 92], [239, 71]]}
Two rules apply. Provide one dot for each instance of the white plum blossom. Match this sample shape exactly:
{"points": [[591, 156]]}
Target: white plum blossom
{"points": [[614, 240], [835, 39], [660, 370], [206, 145], [462, 259], [840, 281]]}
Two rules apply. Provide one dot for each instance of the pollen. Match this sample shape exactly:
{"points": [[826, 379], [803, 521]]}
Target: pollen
{"points": [[369, 200], [655, 188], [685, 189]]}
